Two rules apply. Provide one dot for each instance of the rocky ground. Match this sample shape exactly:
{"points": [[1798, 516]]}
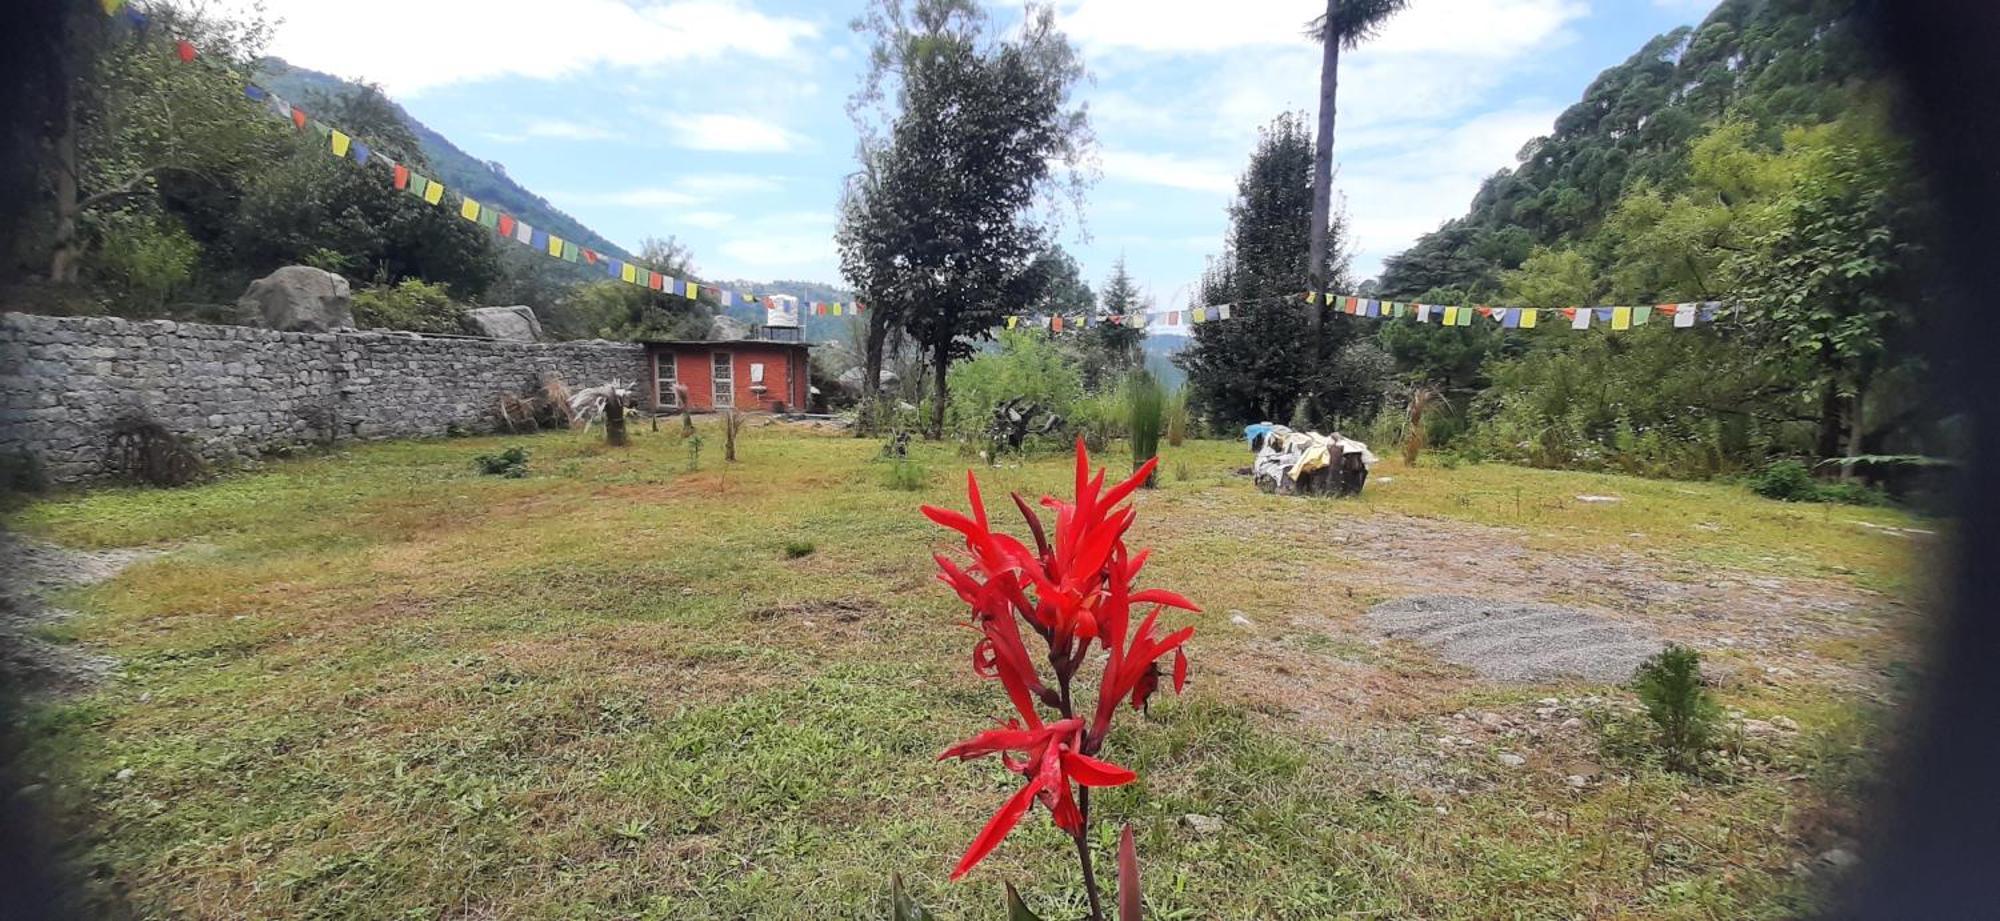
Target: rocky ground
{"points": [[36, 572]]}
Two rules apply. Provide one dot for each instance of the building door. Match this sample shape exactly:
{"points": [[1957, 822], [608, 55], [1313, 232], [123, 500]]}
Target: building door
{"points": [[724, 376]]}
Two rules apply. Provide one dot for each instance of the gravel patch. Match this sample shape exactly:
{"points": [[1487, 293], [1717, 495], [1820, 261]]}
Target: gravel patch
{"points": [[1516, 641]]}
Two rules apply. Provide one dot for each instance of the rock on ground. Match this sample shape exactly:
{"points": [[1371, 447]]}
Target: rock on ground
{"points": [[514, 324], [298, 299], [1515, 641]]}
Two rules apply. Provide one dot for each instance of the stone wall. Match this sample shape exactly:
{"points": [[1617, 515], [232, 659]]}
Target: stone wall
{"points": [[239, 392]]}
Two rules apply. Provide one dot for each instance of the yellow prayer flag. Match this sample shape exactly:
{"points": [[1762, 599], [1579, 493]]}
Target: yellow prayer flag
{"points": [[468, 209], [836, 309], [690, 290], [1011, 321], [434, 192], [339, 142], [555, 246], [1201, 314], [1451, 316], [1621, 318], [1528, 318], [630, 273]]}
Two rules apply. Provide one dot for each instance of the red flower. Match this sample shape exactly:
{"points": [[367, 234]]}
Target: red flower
{"points": [[1052, 762], [1073, 591]]}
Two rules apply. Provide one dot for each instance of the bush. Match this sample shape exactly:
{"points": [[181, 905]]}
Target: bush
{"points": [[906, 476], [1179, 422], [146, 261], [416, 306], [1785, 481], [1100, 418], [794, 549], [511, 463], [1026, 365], [1682, 712]]}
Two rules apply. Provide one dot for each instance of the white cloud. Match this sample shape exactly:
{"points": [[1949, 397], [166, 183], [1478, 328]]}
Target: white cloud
{"points": [[1489, 28], [687, 191], [727, 132], [409, 47], [554, 129], [1170, 170], [795, 244], [704, 218]]}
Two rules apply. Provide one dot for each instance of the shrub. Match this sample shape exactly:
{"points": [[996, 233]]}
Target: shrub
{"points": [[145, 260], [410, 304], [905, 475], [1100, 418], [1179, 422], [1786, 481], [1681, 710], [1026, 365], [511, 463], [693, 443], [795, 549], [1145, 407]]}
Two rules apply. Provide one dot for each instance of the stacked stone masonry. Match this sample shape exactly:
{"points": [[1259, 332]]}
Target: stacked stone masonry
{"points": [[238, 392]]}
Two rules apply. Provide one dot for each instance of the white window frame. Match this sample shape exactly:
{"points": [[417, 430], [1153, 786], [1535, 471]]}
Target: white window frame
{"points": [[666, 376], [722, 379]]}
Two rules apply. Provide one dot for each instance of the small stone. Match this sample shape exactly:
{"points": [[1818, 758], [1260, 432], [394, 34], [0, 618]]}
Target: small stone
{"points": [[1549, 702], [1492, 720], [1839, 858], [1512, 760], [1237, 618], [1572, 723], [1758, 728], [1201, 825], [1440, 810], [1785, 723], [686, 592], [1577, 780], [123, 774]]}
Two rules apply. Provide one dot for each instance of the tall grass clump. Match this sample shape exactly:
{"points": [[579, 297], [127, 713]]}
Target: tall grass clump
{"points": [[1146, 407], [1683, 714], [1178, 420], [905, 476]]}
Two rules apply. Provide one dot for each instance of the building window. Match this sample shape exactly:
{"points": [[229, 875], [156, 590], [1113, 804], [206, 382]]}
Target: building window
{"points": [[667, 379], [724, 377]]}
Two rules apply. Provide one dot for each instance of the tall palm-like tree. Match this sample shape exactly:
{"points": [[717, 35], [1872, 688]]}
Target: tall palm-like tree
{"points": [[1346, 24]]}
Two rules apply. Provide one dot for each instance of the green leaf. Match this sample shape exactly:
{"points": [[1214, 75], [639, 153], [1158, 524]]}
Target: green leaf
{"points": [[901, 906], [1017, 910]]}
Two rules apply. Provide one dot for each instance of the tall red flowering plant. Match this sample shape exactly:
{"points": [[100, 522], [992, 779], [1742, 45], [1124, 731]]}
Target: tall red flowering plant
{"points": [[1073, 591]]}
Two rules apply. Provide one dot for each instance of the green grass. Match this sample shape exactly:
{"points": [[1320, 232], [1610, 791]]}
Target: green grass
{"points": [[377, 684]]}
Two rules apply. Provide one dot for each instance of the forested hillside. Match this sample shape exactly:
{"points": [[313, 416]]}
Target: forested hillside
{"points": [[1747, 160]]}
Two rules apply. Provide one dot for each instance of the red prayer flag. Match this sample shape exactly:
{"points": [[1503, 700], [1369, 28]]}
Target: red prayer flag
{"points": [[1569, 313], [185, 49], [819, 310], [506, 220], [402, 180], [298, 117], [590, 255], [654, 280], [858, 307]]}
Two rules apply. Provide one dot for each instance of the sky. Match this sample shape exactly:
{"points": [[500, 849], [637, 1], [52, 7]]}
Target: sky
{"points": [[723, 123]]}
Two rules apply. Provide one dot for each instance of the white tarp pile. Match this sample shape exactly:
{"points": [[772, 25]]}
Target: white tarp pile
{"points": [[585, 406], [1286, 456]]}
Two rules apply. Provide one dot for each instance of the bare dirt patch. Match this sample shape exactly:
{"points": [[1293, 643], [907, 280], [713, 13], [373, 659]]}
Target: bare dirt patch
{"points": [[35, 571]]}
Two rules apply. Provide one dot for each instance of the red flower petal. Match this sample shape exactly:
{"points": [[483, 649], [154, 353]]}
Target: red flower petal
{"points": [[997, 827], [1180, 670], [1091, 772], [1162, 596]]}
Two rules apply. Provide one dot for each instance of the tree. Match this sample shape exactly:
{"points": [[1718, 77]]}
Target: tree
{"points": [[868, 230], [958, 159], [1258, 365], [1345, 24], [136, 115], [1113, 348], [610, 309], [1835, 278]]}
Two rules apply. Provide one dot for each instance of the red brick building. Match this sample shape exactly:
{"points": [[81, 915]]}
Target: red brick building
{"points": [[759, 374]]}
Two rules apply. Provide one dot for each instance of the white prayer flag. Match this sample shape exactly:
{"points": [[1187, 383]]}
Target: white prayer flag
{"points": [[1685, 314], [1582, 319]]}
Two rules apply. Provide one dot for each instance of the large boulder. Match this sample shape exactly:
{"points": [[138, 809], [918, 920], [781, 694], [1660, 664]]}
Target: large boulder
{"points": [[300, 299], [515, 324]]}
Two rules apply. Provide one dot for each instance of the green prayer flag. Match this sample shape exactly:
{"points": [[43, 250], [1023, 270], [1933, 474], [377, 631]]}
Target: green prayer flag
{"points": [[569, 251], [489, 217], [1640, 315]]}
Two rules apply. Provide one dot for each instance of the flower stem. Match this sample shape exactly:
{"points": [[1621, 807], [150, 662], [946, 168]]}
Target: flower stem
{"points": [[1083, 854]]}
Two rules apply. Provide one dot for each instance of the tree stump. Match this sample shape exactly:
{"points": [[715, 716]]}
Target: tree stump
{"points": [[614, 422]]}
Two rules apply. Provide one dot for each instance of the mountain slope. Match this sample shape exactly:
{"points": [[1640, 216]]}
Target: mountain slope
{"points": [[1772, 63], [459, 171]]}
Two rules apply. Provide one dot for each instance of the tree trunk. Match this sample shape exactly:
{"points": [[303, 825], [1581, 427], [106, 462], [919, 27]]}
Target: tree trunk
{"points": [[63, 261], [1827, 444], [940, 351], [871, 374], [1322, 210], [1857, 427]]}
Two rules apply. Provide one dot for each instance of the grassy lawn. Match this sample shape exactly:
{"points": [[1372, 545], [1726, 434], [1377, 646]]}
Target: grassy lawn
{"points": [[378, 685]]}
